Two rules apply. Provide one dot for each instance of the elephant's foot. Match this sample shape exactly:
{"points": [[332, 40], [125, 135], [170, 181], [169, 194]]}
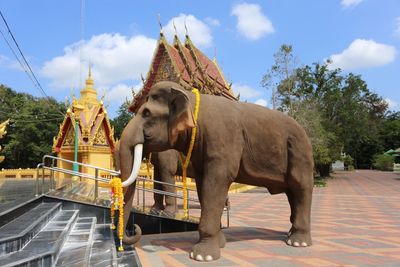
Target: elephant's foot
{"points": [[208, 249], [155, 210], [299, 238], [169, 211]]}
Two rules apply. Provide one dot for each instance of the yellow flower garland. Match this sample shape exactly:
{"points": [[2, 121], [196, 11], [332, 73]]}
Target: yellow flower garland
{"points": [[117, 203], [189, 154]]}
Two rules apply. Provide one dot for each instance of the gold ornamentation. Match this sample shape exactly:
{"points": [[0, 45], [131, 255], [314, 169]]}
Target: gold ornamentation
{"points": [[100, 138], [189, 154], [117, 203], [3, 132], [70, 137]]}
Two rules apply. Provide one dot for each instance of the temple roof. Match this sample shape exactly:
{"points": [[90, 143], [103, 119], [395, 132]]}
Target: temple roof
{"points": [[185, 64], [91, 115]]}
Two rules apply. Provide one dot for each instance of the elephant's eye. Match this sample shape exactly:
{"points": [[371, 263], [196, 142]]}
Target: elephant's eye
{"points": [[146, 113]]}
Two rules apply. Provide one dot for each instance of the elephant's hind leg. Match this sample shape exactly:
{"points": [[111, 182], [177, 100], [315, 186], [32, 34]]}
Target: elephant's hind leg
{"points": [[299, 193]]}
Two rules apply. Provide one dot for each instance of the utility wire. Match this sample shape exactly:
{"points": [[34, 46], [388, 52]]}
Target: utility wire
{"points": [[46, 115], [36, 83], [26, 121], [19, 61]]}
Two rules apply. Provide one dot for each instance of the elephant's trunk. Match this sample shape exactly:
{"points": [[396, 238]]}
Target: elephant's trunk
{"points": [[131, 139]]}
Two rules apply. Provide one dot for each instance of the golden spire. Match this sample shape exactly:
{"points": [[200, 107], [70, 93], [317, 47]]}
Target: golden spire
{"points": [[89, 94]]}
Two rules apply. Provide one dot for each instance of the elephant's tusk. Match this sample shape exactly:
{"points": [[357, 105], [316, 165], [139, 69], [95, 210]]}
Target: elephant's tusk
{"points": [[136, 165]]}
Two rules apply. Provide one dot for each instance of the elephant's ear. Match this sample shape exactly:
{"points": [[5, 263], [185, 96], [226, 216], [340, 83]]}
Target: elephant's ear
{"points": [[181, 115]]}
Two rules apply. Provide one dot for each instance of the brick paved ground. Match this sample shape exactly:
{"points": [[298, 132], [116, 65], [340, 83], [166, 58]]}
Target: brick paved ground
{"points": [[355, 222]]}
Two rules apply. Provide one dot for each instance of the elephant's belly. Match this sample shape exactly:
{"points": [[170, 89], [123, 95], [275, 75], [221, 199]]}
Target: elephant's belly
{"points": [[273, 180]]}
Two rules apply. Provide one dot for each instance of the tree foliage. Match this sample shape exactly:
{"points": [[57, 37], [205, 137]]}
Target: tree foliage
{"points": [[34, 123], [122, 119], [339, 112]]}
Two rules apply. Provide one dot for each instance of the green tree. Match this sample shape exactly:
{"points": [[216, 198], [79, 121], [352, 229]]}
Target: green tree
{"points": [[34, 123], [349, 109], [122, 119], [280, 77], [390, 131], [383, 162]]}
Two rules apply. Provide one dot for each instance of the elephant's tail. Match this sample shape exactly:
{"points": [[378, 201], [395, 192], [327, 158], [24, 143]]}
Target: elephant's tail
{"points": [[130, 240]]}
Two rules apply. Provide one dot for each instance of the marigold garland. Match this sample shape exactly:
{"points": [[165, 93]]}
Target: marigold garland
{"points": [[189, 154], [117, 203]]}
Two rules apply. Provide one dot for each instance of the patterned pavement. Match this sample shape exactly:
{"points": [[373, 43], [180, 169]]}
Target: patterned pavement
{"points": [[355, 222]]}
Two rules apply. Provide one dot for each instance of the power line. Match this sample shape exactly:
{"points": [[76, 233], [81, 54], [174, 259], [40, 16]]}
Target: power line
{"points": [[36, 81], [19, 61], [45, 115], [26, 121]]}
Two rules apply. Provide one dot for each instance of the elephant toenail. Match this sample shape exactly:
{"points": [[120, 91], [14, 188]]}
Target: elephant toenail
{"points": [[209, 258], [199, 257], [191, 255], [303, 244], [289, 242], [296, 244]]}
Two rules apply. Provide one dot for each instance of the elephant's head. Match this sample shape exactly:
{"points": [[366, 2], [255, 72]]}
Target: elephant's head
{"points": [[166, 112]]}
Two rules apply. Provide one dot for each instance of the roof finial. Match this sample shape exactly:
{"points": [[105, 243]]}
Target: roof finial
{"points": [[159, 22], [173, 23], [184, 22], [215, 54]]}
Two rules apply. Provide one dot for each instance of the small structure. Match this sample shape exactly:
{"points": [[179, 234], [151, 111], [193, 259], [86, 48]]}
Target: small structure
{"points": [[96, 141], [185, 64]]}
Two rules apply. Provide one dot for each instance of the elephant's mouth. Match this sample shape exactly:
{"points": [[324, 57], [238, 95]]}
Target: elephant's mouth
{"points": [[148, 137]]}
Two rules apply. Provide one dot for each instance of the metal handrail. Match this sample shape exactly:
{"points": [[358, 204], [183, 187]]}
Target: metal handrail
{"points": [[96, 178], [113, 172]]}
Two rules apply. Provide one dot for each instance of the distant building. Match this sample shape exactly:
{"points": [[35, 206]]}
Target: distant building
{"points": [[185, 64], [96, 141]]}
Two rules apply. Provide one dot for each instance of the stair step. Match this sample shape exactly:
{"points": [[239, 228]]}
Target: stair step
{"points": [[76, 249], [17, 233], [103, 251], [44, 248]]}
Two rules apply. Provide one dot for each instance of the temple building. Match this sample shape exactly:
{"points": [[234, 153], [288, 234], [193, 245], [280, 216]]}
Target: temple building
{"points": [[96, 141], [185, 64]]}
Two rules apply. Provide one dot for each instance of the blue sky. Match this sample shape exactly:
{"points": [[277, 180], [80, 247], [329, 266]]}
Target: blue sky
{"points": [[119, 37]]}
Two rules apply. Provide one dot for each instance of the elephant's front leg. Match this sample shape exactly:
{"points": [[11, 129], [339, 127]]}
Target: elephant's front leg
{"points": [[214, 190]]}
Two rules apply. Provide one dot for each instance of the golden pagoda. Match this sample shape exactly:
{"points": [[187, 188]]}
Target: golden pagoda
{"points": [[96, 141]]}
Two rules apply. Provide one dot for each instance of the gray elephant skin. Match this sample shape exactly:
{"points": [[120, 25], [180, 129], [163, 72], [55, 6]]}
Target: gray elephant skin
{"points": [[235, 142]]}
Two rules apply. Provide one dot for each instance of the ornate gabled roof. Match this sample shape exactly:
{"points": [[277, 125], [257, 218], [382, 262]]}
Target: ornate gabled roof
{"points": [[94, 126], [186, 65]]}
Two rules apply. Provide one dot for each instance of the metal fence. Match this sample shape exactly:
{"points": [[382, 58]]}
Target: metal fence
{"points": [[51, 164]]}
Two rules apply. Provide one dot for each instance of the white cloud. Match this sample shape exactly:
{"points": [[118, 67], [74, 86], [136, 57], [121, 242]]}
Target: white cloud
{"points": [[392, 104], [198, 31], [121, 92], [363, 54], [114, 58], [7, 63], [212, 21], [396, 32], [261, 102], [245, 91], [252, 23], [350, 3]]}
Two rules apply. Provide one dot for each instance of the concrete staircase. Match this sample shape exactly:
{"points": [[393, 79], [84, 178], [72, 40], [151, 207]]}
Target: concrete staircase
{"points": [[47, 235]]}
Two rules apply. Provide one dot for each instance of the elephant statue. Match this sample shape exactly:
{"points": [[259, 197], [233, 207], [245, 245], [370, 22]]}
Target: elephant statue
{"points": [[234, 142], [166, 166]]}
